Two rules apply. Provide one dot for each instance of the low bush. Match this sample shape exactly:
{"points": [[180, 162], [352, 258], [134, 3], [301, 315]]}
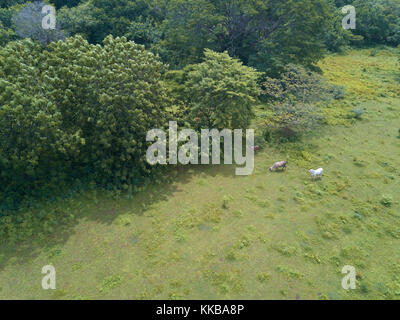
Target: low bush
{"points": [[358, 113]]}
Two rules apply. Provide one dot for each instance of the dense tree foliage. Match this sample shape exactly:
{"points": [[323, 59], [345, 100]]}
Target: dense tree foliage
{"points": [[95, 19], [7, 32], [68, 3], [6, 35], [10, 3], [220, 92], [336, 37], [378, 21], [265, 34], [77, 109]]}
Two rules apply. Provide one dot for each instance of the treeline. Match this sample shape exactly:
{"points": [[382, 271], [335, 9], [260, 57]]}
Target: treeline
{"points": [[79, 112], [265, 34]]}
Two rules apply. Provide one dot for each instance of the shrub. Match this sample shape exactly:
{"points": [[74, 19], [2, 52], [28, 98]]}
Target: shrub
{"points": [[292, 120], [358, 113], [387, 200], [373, 52], [377, 21], [263, 277], [225, 201], [294, 101], [298, 84], [338, 92]]}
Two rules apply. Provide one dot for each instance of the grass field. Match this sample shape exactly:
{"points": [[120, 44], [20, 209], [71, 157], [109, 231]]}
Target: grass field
{"points": [[214, 235]]}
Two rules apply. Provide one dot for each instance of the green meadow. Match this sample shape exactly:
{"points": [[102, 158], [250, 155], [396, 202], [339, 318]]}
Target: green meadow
{"points": [[212, 235]]}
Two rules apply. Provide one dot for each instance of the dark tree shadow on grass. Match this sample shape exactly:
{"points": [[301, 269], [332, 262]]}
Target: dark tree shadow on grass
{"points": [[105, 211]]}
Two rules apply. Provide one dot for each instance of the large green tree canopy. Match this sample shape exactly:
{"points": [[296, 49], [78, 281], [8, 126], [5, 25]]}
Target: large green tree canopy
{"points": [[221, 92], [265, 34], [262, 33], [76, 108]]}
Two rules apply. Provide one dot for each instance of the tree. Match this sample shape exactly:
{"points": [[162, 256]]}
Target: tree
{"points": [[144, 31], [293, 120], [378, 21], [6, 15], [6, 35], [220, 92], [77, 110], [96, 19], [263, 34], [297, 36], [337, 37], [85, 20], [188, 28]]}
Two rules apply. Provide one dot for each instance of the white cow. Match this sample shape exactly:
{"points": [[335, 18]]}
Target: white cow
{"points": [[316, 173]]}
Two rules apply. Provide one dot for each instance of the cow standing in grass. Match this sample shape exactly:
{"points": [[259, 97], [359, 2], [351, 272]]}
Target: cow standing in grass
{"points": [[278, 165], [316, 173]]}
